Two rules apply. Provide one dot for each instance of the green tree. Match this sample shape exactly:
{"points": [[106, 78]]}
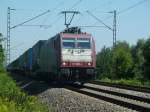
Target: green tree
{"points": [[122, 59], [146, 54], [138, 59], [104, 63]]}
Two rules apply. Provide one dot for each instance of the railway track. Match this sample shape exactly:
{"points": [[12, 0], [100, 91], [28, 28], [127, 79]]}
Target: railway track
{"points": [[123, 99], [122, 86]]}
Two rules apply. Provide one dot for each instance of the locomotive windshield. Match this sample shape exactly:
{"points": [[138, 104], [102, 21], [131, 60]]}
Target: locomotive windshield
{"points": [[83, 43], [68, 42], [79, 43]]}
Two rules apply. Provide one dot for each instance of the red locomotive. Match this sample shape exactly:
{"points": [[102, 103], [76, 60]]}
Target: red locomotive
{"points": [[68, 56]]}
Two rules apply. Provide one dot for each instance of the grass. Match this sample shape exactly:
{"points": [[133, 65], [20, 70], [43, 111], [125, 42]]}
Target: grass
{"points": [[133, 82], [12, 99]]}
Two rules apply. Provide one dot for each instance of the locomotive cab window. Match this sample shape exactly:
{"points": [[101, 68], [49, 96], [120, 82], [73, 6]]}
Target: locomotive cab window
{"points": [[83, 43], [68, 43]]}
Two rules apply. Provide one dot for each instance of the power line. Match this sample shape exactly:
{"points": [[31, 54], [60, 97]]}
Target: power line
{"points": [[38, 25], [112, 29], [133, 6], [48, 17], [102, 5], [9, 29], [74, 5], [99, 20], [126, 9], [30, 19], [53, 10], [58, 5], [73, 12], [56, 20], [92, 26], [29, 10]]}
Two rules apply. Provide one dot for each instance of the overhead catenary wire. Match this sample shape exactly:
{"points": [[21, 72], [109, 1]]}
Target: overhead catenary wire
{"points": [[75, 4], [53, 10], [102, 5], [22, 24], [128, 8], [55, 21], [9, 29], [59, 17], [47, 18], [125, 10], [133, 6], [91, 26], [40, 25], [30, 19], [99, 20]]}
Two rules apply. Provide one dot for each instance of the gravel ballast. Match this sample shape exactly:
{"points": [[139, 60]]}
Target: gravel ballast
{"points": [[64, 100]]}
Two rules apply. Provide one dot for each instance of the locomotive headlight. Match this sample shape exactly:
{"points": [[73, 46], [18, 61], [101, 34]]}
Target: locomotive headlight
{"points": [[89, 64], [63, 63]]}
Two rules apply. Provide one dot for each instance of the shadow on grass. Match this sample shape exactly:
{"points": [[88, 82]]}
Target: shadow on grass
{"points": [[31, 85]]}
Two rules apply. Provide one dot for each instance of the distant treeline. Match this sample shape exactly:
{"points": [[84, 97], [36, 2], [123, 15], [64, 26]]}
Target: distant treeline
{"points": [[124, 61]]}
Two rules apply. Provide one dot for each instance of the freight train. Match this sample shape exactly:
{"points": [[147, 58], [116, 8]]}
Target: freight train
{"points": [[68, 56]]}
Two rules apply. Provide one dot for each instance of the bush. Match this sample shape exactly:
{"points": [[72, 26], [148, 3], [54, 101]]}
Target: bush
{"points": [[12, 99]]}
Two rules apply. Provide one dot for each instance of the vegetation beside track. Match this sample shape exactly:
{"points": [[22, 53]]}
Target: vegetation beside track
{"points": [[12, 99], [132, 82], [125, 64]]}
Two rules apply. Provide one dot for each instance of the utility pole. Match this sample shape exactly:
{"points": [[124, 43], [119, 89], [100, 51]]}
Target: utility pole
{"points": [[7, 54], [114, 66], [114, 29], [73, 14], [8, 38]]}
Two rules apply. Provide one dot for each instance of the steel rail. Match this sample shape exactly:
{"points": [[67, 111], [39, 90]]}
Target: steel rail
{"points": [[125, 95], [123, 86], [123, 103]]}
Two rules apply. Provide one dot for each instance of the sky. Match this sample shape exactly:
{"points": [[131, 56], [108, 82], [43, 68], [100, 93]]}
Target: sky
{"points": [[133, 20]]}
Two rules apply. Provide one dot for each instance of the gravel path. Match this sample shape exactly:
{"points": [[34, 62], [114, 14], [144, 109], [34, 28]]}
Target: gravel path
{"points": [[63, 100]]}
